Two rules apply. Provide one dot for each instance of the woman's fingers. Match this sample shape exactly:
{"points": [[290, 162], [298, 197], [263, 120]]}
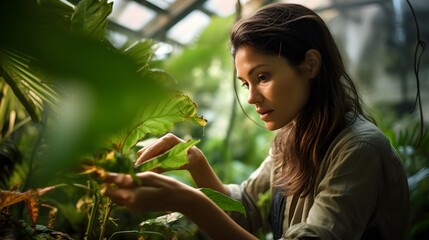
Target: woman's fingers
{"points": [[146, 179], [133, 199], [120, 196], [157, 148], [156, 193], [152, 179], [121, 180]]}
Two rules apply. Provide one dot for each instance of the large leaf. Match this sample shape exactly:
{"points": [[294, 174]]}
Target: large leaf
{"points": [[159, 117], [90, 18], [28, 84], [172, 159], [224, 202], [101, 86]]}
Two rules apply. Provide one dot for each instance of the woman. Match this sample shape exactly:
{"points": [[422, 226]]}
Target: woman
{"points": [[331, 173]]}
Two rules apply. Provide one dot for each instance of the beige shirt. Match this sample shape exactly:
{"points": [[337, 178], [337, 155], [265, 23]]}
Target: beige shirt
{"points": [[361, 192]]}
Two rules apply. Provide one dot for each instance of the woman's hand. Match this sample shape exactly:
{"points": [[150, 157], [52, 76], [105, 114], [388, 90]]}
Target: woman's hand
{"points": [[164, 144], [161, 193], [198, 166], [156, 192]]}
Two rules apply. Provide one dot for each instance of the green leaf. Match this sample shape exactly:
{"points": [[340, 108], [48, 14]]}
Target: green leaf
{"points": [[19, 91], [160, 116], [162, 76], [62, 8], [25, 83], [142, 53], [172, 159], [164, 219], [90, 18], [224, 202], [162, 227]]}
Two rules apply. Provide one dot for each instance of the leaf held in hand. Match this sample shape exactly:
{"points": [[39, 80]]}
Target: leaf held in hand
{"points": [[172, 159]]}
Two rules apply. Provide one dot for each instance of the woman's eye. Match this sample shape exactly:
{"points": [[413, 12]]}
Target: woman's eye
{"points": [[263, 77], [245, 85]]}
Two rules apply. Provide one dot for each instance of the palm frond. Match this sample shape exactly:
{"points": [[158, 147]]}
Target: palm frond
{"points": [[25, 82]]}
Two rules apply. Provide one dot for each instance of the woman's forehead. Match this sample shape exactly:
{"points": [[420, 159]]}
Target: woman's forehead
{"points": [[247, 60]]}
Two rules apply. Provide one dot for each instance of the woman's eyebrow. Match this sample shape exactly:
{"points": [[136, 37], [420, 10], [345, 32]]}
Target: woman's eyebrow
{"points": [[253, 69]]}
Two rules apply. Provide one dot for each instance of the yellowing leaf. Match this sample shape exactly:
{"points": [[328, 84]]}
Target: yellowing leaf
{"points": [[96, 170]]}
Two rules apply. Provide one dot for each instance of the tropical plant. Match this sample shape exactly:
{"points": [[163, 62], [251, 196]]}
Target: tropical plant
{"points": [[403, 130], [90, 104], [415, 155]]}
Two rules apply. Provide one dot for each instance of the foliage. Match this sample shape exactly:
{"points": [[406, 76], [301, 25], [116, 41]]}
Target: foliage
{"points": [[90, 104], [415, 155], [404, 134]]}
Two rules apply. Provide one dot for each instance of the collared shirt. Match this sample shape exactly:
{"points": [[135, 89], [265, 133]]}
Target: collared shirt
{"points": [[361, 192]]}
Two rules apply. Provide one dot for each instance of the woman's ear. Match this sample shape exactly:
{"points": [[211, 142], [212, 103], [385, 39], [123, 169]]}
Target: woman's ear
{"points": [[313, 60]]}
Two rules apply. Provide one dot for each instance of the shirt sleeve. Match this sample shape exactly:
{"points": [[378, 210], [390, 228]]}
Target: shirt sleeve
{"points": [[249, 194], [345, 197]]}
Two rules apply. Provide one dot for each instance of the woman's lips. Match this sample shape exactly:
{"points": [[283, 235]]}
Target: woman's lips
{"points": [[265, 114]]}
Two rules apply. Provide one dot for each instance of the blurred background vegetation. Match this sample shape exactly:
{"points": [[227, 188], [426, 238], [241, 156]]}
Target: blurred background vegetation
{"points": [[51, 59]]}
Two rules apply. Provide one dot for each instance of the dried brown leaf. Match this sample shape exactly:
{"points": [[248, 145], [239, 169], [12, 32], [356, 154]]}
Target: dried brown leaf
{"points": [[33, 209], [8, 198]]}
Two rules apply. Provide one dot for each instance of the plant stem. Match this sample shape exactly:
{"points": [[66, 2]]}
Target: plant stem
{"points": [[92, 216], [108, 210]]}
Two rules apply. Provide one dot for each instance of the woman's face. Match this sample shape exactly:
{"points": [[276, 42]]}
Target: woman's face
{"points": [[277, 90]]}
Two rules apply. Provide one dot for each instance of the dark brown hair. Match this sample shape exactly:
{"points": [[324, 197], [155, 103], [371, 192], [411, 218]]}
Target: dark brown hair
{"points": [[290, 30]]}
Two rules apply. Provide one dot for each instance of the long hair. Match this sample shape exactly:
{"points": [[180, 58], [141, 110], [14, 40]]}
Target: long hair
{"points": [[290, 30]]}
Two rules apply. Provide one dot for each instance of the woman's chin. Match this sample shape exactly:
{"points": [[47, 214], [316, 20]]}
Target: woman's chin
{"points": [[271, 126]]}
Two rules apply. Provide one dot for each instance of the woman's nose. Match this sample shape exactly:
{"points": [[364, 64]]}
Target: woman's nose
{"points": [[254, 95]]}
